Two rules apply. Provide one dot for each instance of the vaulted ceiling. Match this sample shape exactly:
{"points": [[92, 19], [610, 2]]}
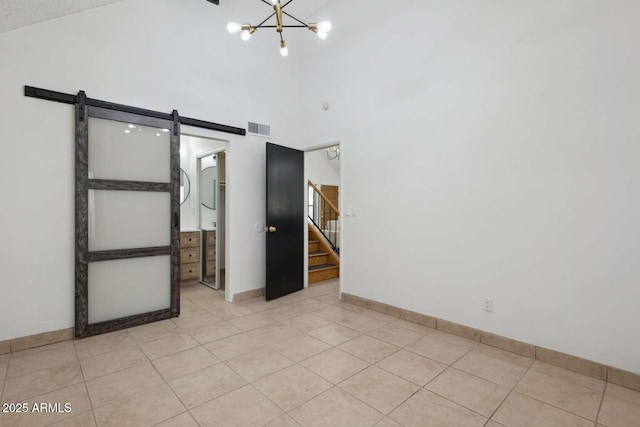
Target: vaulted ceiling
{"points": [[20, 13], [254, 11]]}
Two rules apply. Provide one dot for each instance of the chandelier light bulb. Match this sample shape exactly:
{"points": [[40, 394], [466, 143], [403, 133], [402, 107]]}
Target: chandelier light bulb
{"points": [[324, 26], [274, 1], [322, 35], [245, 35], [233, 27], [284, 50]]}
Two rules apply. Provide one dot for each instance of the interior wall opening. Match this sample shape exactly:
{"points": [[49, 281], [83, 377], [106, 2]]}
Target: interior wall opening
{"points": [[202, 211], [323, 223]]}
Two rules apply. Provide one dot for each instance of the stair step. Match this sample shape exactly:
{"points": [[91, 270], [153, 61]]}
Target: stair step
{"points": [[323, 267], [322, 272], [318, 258], [318, 253], [314, 245]]}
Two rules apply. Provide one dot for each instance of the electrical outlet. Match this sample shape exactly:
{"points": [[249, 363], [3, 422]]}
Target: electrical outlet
{"points": [[488, 304]]}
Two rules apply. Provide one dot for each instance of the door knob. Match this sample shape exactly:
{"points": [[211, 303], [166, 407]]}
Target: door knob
{"points": [[270, 229]]}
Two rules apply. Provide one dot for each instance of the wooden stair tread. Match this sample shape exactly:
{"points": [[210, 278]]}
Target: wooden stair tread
{"points": [[317, 253], [327, 264], [323, 267]]}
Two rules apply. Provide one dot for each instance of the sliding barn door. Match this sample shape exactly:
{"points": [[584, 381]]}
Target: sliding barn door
{"points": [[127, 219]]}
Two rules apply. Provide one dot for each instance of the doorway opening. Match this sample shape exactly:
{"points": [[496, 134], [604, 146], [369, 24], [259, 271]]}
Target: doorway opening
{"points": [[323, 175], [203, 161]]}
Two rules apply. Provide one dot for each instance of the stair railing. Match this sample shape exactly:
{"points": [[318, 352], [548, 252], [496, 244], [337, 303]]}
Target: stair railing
{"points": [[325, 216]]}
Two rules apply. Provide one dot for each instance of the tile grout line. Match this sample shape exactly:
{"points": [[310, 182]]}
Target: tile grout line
{"points": [[452, 367], [165, 382], [320, 376], [170, 418], [84, 382], [361, 401], [228, 392], [251, 383], [269, 399], [417, 354], [556, 407], [424, 387], [604, 391], [492, 382], [136, 344], [547, 403], [49, 391], [444, 397], [203, 403], [511, 390], [40, 369]]}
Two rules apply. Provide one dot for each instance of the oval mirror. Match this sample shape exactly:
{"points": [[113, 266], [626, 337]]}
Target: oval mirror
{"points": [[208, 187], [185, 186]]}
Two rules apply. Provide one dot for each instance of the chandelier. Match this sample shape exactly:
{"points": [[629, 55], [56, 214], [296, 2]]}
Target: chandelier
{"points": [[247, 30]]}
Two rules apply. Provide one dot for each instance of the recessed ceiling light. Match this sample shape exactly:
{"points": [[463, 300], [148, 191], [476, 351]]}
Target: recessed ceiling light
{"points": [[127, 131], [132, 126], [165, 130]]}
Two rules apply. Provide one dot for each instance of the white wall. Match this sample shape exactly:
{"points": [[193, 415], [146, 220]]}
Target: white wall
{"points": [[133, 52], [320, 170], [511, 138]]}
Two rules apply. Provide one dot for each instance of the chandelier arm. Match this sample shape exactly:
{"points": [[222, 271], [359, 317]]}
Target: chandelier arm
{"points": [[284, 26], [293, 17], [269, 17], [285, 5], [270, 4]]}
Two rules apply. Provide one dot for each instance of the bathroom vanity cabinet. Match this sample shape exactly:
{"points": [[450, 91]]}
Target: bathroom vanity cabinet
{"points": [[209, 256], [189, 255]]}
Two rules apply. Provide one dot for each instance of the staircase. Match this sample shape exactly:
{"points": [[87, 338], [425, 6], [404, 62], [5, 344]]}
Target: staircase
{"points": [[324, 264]]}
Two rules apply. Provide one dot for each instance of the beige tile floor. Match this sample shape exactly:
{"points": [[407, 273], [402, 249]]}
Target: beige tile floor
{"points": [[305, 359]]}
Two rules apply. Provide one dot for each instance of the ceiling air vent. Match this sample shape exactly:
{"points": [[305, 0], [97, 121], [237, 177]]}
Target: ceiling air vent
{"points": [[260, 130]]}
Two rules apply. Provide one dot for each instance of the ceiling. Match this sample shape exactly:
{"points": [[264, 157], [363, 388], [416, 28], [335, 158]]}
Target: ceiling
{"points": [[254, 11], [20, 13]]}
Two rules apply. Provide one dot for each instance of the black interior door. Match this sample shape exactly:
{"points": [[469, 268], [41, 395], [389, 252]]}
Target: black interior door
{"points": [[285, 221]]}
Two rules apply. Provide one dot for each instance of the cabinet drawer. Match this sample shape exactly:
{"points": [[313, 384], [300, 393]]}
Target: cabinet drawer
{"points": [[211, 254], [210, 238], [189, 271], [190, 239], [189, 255], [211, 268]]}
